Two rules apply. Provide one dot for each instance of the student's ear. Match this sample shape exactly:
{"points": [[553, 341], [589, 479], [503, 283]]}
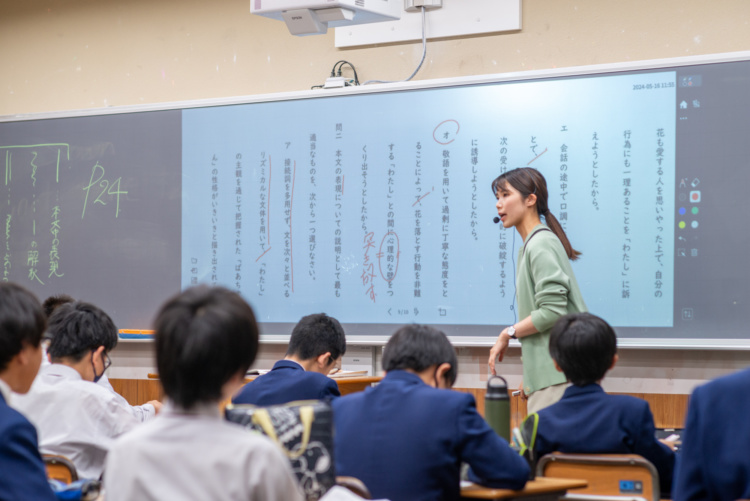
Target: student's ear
{"points": [[325, 361], [100, 352], [442, 381], [30, 355], [530, 200], [25, 365], [556, 366], [614, 361], [23, 357]]}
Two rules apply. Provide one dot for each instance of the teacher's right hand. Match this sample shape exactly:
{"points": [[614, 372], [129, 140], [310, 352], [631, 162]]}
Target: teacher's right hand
{"points": [[497, 352]]}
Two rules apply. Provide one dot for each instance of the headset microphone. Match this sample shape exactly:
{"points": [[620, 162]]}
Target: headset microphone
{"points": [[496, 220]]}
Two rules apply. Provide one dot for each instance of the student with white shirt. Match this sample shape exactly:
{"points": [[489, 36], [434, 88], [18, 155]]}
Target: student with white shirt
{"points": [[206, 339], [75, 417], [140, 412]]}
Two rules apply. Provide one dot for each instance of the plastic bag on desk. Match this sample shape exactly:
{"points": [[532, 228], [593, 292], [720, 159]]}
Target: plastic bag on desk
{"points": [[524, 440], [80, 490]]}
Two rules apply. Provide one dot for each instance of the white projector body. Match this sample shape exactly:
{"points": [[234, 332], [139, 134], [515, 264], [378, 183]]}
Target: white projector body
{"points": [[314, 17]]}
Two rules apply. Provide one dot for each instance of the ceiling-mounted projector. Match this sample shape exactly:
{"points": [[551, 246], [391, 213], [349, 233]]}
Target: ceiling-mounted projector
{"points": [[313, 17]]}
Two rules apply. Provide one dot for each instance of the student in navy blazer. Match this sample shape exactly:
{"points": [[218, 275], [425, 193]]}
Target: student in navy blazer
{"points": [[316, 346], [588, 420], [22, 322], [714, 461], [407, 437]]}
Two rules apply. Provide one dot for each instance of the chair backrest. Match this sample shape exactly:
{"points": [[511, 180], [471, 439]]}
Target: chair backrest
{"points": [[60, 468], [355, 485], [304, 432], [624, 475]]}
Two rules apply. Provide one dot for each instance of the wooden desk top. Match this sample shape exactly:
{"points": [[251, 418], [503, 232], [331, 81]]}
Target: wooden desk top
{"points": [[347, 385], [541, 487], [357, 379], [339, 380]]}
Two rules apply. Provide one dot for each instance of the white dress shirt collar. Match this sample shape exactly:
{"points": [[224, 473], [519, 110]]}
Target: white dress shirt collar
{"points": [[203, 410], [5, 391], [62, 371]]}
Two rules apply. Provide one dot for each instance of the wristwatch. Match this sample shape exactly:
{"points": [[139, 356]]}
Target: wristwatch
{"points": [[512, 332]]}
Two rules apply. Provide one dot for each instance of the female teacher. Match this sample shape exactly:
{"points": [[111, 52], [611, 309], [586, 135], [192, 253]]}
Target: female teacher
{"points": [[546, 287]]}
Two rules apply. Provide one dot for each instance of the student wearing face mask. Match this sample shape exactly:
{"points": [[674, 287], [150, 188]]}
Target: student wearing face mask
{"points": [[141, 412], [407, 437], [75, 417], [546, 287]]}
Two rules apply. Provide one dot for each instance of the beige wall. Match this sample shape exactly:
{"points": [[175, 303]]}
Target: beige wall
{"points": [[72, 54]]}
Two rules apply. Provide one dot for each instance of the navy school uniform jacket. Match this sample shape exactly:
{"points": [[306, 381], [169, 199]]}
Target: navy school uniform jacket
{"points": [[588, 420], [714, 460], [287, 382], [406, 440], [22, 473]]}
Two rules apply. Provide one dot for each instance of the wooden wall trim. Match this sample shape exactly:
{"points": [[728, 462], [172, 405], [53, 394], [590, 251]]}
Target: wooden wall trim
{"points": [[138, 391], [669, 410]]}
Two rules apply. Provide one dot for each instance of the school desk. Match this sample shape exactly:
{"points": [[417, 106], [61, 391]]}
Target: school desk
{"points": [[540, 489]]}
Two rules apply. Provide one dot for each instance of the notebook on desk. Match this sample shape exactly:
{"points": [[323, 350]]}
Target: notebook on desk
{"points": [[344, 374], [335, 375], [671, 434]]}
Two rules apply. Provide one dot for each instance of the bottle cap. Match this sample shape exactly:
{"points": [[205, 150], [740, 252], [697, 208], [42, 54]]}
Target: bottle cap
{"points": [[497, 388]]}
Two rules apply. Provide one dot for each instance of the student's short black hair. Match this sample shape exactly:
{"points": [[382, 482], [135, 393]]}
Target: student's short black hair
{"points": [[417, 347], [317, 334], [22, 321], [583, 345], [77, 328], [51, 303], [204, 336]]}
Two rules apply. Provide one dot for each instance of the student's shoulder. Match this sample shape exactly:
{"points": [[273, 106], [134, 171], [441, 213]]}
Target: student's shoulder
{"points": [[317, 377], [91, 391], [447, 399], [631, 409], [732, 382], [318, 385], [458, 397], [13, 422], [421, 395], [717, 393], [92, 396], [600, 399], [626, 401], [277, 376], [8, 414], [352, 400]]}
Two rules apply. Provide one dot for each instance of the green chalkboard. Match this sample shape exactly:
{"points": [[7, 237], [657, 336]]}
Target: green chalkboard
{"points": [[90, 206]]}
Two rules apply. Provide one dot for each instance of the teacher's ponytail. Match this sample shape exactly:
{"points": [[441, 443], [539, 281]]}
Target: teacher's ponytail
{"points": [[529, 181], [557, 229]]}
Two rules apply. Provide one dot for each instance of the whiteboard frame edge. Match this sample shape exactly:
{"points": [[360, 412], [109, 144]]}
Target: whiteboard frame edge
{"points": [[571, 71]]}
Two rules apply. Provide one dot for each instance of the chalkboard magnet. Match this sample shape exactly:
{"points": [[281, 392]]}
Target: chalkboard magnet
{"points": [[141, 334]]}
